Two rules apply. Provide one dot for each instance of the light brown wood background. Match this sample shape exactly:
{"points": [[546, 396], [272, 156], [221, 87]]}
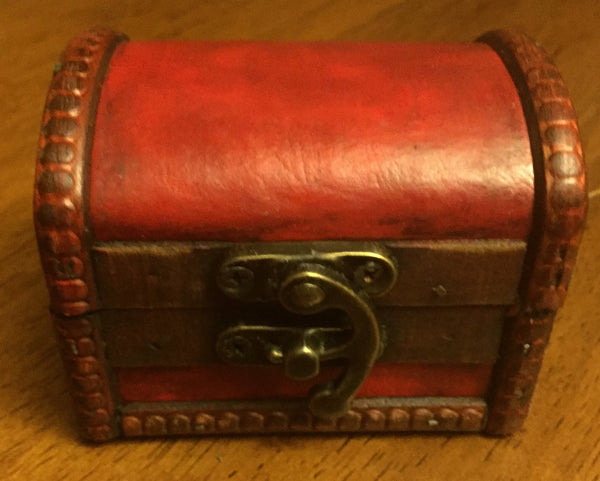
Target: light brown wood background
{"points": [[561, 439]]}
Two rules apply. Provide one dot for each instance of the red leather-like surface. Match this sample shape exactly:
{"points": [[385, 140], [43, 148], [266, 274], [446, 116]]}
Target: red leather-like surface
{"points": [[253, 382], [247, 141]]}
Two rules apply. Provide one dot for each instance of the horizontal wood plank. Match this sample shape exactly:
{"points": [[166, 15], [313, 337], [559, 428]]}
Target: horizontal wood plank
{"points": [[183, 275], [182, 337]]}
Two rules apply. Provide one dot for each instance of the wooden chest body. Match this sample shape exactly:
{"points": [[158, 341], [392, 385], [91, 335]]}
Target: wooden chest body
{"points": [[187, 195]]}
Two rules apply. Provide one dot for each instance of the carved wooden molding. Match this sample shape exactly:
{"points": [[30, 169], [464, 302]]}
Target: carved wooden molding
{"points": [[59, 216], [414, 414], [60, 181], [81, 349], [561, 200]]}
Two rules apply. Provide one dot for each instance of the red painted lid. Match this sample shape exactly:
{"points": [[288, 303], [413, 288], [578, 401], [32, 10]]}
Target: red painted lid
{"points": [[304, 141]]}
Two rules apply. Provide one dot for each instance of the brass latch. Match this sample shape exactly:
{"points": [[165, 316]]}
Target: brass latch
{"points": [[308, 280]]}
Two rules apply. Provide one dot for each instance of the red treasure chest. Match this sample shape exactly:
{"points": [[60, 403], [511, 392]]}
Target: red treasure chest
{"points": [[283, 237]]}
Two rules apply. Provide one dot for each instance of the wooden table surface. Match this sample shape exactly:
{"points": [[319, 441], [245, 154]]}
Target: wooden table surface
{"points": [[561, 438]]}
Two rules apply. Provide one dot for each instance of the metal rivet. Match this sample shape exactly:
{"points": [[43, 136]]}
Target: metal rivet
{"points": [[307, 294], [439, 290], [371, 272], [368, 273], [237, 278], [236, 348], [275, 355]]}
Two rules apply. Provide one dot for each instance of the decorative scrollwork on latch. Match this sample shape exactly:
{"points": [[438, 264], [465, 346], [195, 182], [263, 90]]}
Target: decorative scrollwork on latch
{"points": [[308, 282]]}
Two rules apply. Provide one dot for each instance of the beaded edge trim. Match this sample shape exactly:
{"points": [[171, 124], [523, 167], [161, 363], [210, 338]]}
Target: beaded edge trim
{"points": [[59, 217], [546, 99], [419, 416], [64, 148], [81, 348]]}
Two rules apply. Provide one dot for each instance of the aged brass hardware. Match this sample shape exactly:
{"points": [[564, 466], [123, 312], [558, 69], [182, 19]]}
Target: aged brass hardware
{"points": [[308, 283], [256, 344]]}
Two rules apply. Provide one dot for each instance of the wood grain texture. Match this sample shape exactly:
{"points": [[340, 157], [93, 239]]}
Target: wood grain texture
{"points": [[186, 337], [472, 273], [561, 437]]}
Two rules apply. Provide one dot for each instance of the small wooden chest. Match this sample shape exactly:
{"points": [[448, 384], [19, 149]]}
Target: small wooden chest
{"points": [[293, 237]]}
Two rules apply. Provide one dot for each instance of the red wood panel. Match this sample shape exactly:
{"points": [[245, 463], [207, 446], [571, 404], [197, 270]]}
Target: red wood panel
{"points": [[253, 382], [304, 141]]}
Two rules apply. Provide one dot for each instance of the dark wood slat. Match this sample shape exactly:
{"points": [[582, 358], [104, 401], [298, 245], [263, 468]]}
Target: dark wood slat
{"points": [[430, 273], [187, 337]]}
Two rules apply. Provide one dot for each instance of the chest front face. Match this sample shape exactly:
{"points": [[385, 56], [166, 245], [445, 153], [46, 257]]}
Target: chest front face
{"points": [[297, 237]]}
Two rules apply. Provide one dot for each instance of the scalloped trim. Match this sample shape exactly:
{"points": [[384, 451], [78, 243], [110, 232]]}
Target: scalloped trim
{"points": [[59, 216], [563, 210], [410, 414]]}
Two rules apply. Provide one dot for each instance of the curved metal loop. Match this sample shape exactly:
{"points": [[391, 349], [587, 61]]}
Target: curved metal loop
{"points": [[313, 288]]}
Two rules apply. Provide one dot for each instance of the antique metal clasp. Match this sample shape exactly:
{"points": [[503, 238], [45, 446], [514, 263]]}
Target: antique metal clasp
{"points": [[307, 281]]}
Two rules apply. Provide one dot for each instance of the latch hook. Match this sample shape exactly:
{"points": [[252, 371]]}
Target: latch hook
{"points": [[307, 285], [315, 288]]}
